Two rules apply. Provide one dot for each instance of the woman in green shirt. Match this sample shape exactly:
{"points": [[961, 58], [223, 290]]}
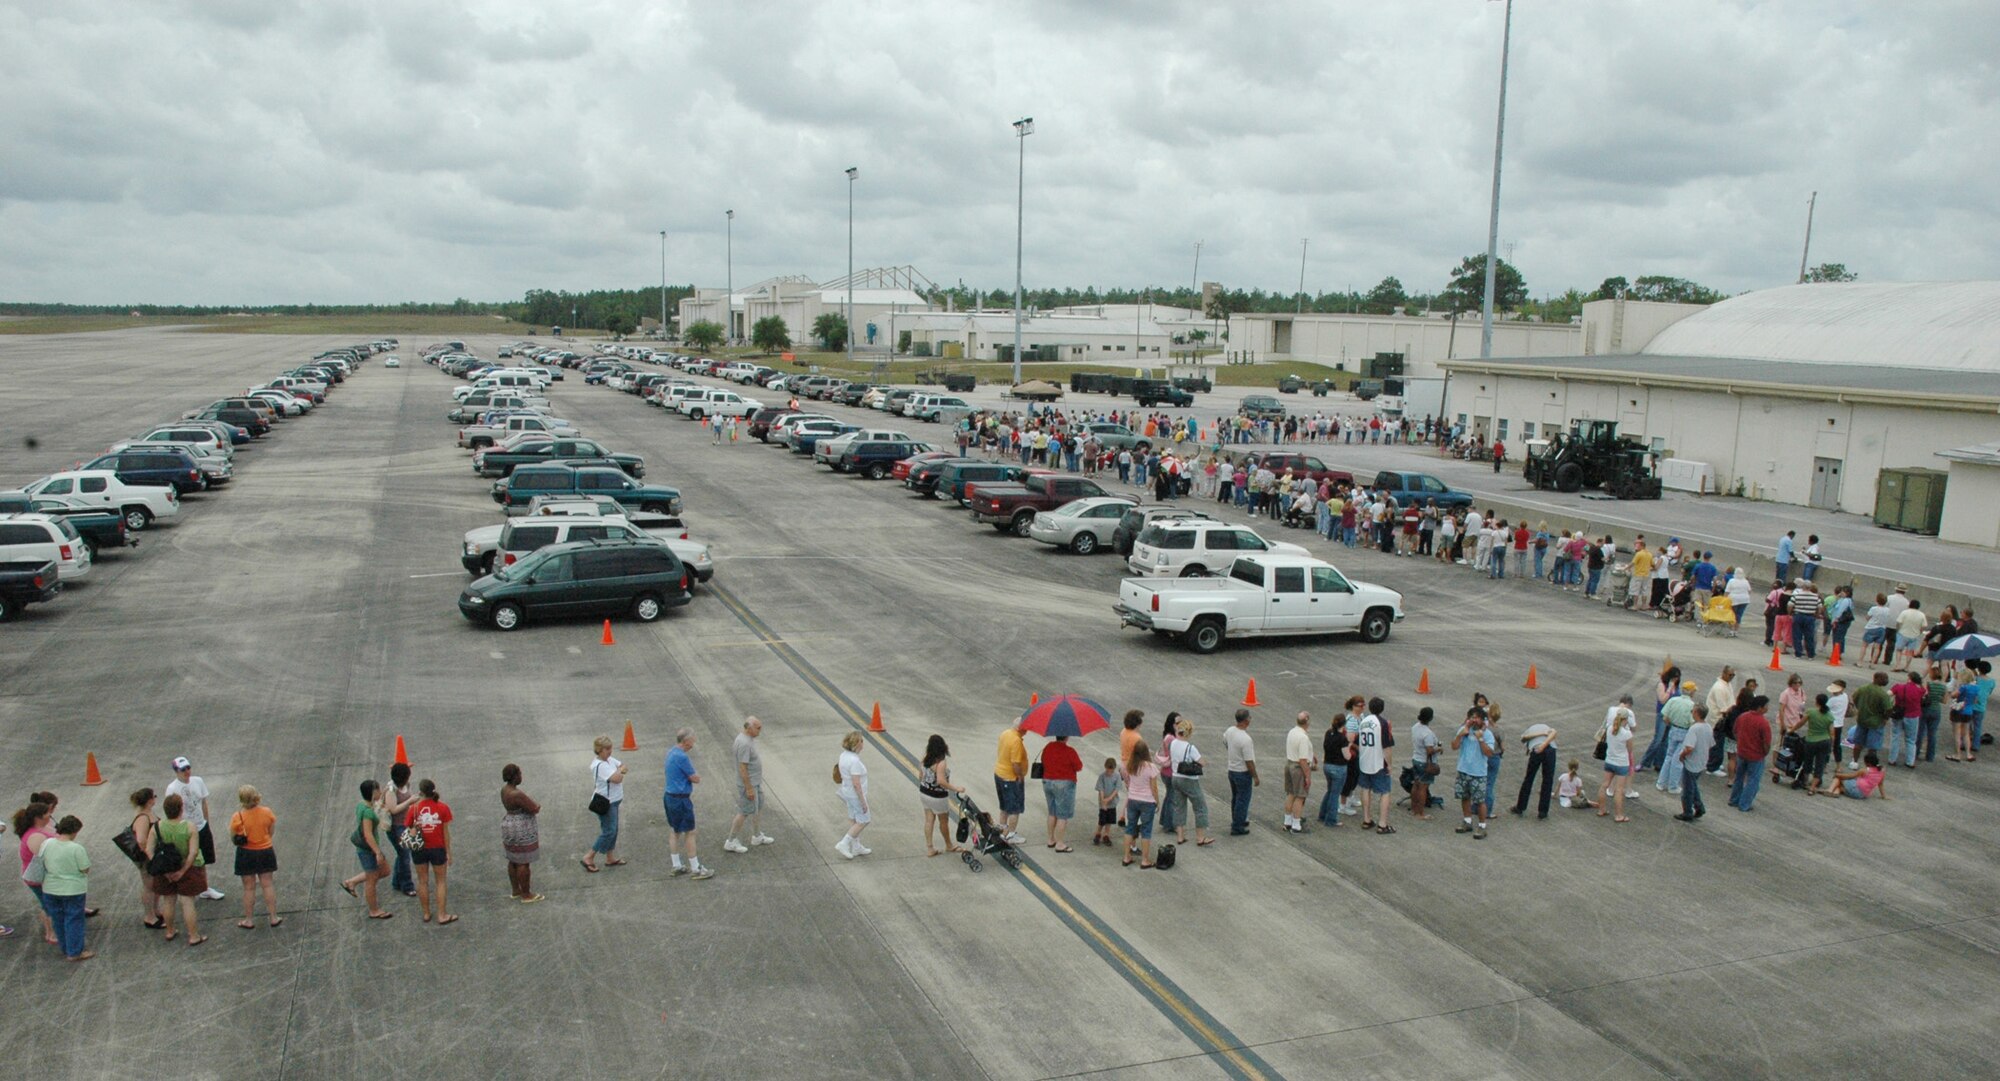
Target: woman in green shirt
{"points": [[179, 887], [65, 871], [1817, 731], [368, 838]]}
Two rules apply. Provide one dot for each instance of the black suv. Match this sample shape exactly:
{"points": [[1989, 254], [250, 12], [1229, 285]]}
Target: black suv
{"points": [[586, 578], [874, 459], [1151, 392], [167, 466]]}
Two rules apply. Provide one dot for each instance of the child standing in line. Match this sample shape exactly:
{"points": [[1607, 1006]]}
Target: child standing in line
{"points": [[1569, 790], [1107, 802]]}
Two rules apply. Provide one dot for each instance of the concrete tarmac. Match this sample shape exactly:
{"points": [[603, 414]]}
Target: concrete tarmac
{"points": [[285, 630]]}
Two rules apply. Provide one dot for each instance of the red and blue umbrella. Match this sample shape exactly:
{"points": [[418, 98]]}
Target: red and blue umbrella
{"points": [[1968, 647], [1065, 715]]}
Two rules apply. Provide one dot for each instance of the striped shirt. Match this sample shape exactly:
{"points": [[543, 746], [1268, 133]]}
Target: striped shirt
{"points": [[1805, 604]]}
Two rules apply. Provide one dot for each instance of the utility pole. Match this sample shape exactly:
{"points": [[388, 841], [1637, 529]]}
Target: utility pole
{"points": [[1493, 220], [663, 283], [1302, 276], [1023, 128], [729, 263], [1807, 250], [852, 172]]}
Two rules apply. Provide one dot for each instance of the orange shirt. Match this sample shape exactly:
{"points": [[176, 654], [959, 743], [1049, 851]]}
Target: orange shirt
{"points": [[254, 824], [1126, 740]]}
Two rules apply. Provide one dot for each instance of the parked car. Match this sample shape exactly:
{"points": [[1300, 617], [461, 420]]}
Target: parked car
{"points": [[1118, 437], [100, 527], [1261, 595], [923, 477], [1082, 526], [166, 467], [1255, 406], [193, 435], [483, 435], [521, 536], [589, 578], [498, 461], [1012, 507], [901, 470], [1152, 392], [214, 465], [480, 547], [874, 458], [953, 476], [42, 538], [1420, 488], [140, 504], [527, 482], [1191, 549], [719, 402], [828, 451], [25, 582], [1304, 465], [790, 435], [1136, 519]]}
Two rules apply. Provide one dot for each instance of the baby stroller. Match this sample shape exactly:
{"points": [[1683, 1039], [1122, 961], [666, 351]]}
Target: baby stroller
{"points": [[1719, 617], [1680, 601], [978, 831], [1791, 755]]}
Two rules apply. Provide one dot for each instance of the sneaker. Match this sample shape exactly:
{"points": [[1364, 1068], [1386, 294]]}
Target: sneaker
{"points": [[1683, 818], [859, 848], [1718, 773], [840, 846], [211, 894], [1480, 833], [703, 873], [1011, 838], [1463, 827], [734, 845], [1674, 791], [762, 839], [681, 869]]}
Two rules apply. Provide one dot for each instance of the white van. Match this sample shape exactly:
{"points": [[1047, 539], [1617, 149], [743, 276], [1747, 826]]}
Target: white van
{"points": [[43, 538]]}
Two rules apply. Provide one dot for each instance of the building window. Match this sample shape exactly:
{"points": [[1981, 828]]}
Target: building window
{"points": [[1501, 433], [1527, 429], [1461, 420], [1121, 349]]}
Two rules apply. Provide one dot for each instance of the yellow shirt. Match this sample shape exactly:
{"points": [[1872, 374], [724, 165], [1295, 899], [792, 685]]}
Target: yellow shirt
{"points": [[1642, 563], [1012, 762]]}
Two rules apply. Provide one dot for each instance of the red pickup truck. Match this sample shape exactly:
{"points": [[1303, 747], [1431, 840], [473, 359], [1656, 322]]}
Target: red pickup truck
{"points": [[1305, 465], [1011, 507]]}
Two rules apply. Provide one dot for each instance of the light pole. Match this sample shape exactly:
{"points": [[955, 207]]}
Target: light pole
{"points": [[1493, 221], [1023, 128], [1806, 252], [1194, 282], [729, 282], [852, 172], [663, 283], [1302, 275]]}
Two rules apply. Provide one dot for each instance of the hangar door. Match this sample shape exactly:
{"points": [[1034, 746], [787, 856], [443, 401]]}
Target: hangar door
{"points": [[1825, 484]]}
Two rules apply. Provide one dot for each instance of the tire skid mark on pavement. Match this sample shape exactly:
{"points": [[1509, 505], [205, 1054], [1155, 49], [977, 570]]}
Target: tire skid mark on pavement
{"points": [[1209, 1034]]}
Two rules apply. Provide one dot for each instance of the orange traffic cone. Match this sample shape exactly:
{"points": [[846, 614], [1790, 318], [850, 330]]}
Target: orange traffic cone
{"points": [[90, 774], [631, 744], [1424, 682], [1834, 660], [1250, 695], [875, 719], [608, 640], [402, 756], [1774, 665], [1533, 682]]}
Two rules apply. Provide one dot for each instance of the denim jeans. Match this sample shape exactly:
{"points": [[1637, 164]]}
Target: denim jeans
{"points": [[1902, 735], [1656, 751], [1542, 763], [1540, 554], [1183, 792], [1166, 815], [1239, 801], [1329, 801], [66, 913], [607, 830], [400, 879], [1492, 782], [1691, 795], [1671, 770], [1804, 631], [1927, 733], [1496, 563], [1590, 583], [1743, 790]]}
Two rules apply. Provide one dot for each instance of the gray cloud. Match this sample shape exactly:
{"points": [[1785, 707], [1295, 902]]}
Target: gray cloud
{"points": [[255, 151]]}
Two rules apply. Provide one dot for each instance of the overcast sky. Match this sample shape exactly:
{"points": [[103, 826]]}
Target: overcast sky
{"points": [[268, 151]]}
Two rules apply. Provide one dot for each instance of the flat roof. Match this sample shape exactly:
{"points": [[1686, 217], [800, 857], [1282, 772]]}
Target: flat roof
{"points": [[1791, 378]]}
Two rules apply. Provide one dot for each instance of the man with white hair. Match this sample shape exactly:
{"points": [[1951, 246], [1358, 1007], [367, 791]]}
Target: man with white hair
{"points": [[750, 788]]}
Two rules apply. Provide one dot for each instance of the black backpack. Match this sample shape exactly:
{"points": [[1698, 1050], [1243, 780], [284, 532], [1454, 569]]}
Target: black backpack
{"points": [[1164, 858]]}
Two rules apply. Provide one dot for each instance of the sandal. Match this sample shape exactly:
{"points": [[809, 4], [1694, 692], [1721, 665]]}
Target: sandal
{"points": [[442, 920], [1064, 848], [531, 898], [587, 866], [247, 925], [171, 935], [277, 921], [381, 915], [1621, 818], [1145, 867], [930, 851], [348, 888], [153, 924], [193, 942], [1199, 844], [616, 863], [1128, 859], [1385, 829]]}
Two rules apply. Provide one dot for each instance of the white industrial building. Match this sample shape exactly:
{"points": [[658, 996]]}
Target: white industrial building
{"points": [[1144, 335], [1351, 342], [1802, 394], [878, 295]]}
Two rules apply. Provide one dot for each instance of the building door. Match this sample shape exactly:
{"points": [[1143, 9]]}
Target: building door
{"points": [[1281, 336], [1825, 484]]}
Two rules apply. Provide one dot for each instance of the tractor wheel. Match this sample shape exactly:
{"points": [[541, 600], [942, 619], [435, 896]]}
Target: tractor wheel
{"points": [[1569, 477]]}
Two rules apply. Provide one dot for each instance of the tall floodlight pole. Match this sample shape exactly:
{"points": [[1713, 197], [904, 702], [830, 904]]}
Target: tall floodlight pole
{"points": [[1493, 220], [852, 172], [1302, 275], [729, 264], [1806, 252], [663, 283], [1194, 283], [1023, 128]]}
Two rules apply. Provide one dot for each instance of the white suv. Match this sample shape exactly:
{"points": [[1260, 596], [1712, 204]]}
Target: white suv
{"points": [[726, 403], [41, 538], [1189, 549]]}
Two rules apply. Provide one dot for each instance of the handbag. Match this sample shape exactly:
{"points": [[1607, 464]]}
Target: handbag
{"points": [[1188, 766], [1597, 752], [128, 843], [36, 870], [1035, 771], [599, 804], [411, 839], [927, 785], [166, 859]]}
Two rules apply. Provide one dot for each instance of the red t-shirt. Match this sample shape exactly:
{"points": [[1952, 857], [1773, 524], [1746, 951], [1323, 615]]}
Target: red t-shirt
{"points": [[1060, 762], [1521, 538], [1909, 699], [428, 816], [1753, 737]]}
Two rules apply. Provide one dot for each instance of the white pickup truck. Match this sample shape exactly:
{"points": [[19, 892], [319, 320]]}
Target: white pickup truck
{"points": [[476, 436], [141, 504], [1267, 594]]}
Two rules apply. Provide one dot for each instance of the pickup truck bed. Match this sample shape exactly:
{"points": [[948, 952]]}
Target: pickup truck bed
{"points": [[1267, 595], [26, 583]]}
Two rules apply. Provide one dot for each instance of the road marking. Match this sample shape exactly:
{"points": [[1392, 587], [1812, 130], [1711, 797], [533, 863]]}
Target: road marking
{"points": [[1209, 1034], [440, 574], [497, 655], [575, 649]]}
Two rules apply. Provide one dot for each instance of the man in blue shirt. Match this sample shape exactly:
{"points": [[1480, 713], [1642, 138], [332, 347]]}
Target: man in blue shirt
{"points": [[1474, 744], [1784, 557], [679, 800]]}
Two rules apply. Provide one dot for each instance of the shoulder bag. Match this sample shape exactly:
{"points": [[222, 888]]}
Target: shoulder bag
{"points": [[1188, 766], [166, 858], [128, 843], [1597, 752], [36, 870], [600, 804]]}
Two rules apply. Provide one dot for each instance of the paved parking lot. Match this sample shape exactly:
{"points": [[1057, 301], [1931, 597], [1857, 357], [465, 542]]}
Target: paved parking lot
{"points": [[285, 631]]}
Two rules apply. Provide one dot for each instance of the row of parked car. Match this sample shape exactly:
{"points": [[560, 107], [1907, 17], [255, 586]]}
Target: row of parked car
{"points": [[583, 534], [1192, 577], [53, 529]]}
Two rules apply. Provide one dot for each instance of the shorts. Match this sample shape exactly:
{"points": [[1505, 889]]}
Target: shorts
{"points": [[1617, 771], [256, 861], [1906, 643], [1874, 634], [1866, 739], [367, 858], [1468, 786], [855, 812], [1139, 818], [748, 805], [680, 812], [1107, 816], [1061, 796], [1013, 796], [429, 857], [1378, 783], [1852, 789], [191, 884], [1297, 781]]}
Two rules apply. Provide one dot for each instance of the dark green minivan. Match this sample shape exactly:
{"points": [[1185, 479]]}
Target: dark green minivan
{"points": [[596, 578]]}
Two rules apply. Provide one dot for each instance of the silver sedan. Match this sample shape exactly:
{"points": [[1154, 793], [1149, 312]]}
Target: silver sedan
{"points": [[1083, 526]]}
